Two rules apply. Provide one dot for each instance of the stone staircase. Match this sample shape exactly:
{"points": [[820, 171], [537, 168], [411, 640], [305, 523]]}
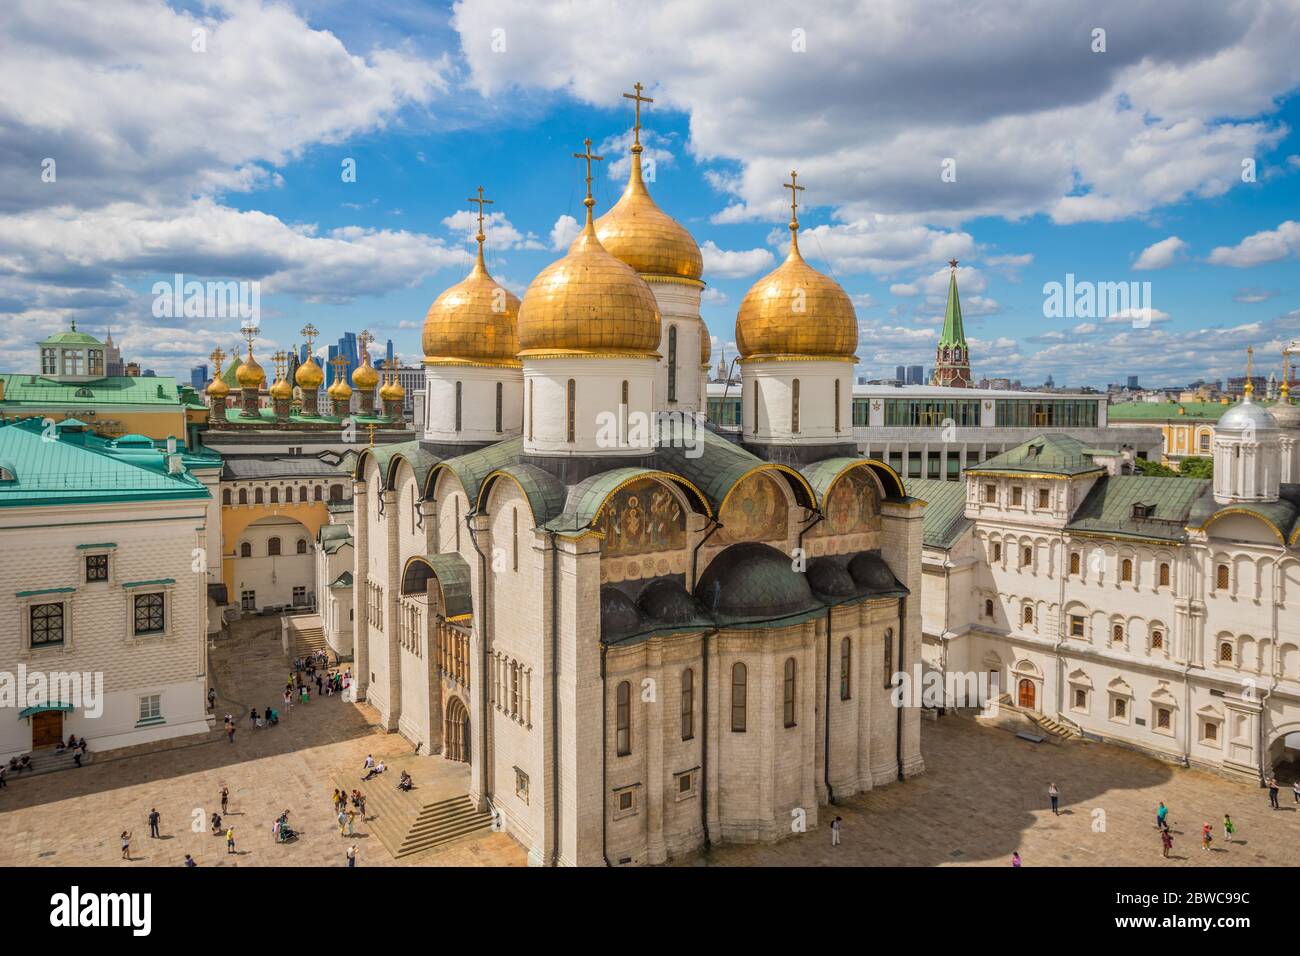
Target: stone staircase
{"points": [[1042, 721], [49, 761], [307, 636], [405, 824]]}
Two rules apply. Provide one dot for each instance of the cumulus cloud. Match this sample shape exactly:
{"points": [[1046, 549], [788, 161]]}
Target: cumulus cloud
{"points": [[732, 264], [1160, 255], [500, 231], [563, 233], [1267, 246]]}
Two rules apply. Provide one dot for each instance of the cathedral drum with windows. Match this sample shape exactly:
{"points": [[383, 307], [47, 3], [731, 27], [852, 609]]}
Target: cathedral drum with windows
{"points": [[643, 641]]}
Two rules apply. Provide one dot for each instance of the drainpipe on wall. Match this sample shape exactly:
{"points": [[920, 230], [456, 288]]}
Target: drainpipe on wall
{"points": [[704, 739], [902, 669], [555, 703], [1061, 630], [604, 757], [484, 705], [826, 743]]}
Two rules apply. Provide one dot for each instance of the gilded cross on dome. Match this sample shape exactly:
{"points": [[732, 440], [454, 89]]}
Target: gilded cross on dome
{"points": [[636, 123], [216, 358], [1250, 356], [339, 363], [795, 190], [364, 339], [481, 203], [309, 332], [250, 332], [588, 155]]}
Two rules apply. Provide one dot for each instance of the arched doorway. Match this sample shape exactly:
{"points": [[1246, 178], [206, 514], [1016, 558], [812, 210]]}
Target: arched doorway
{"points": [[1025, 695], [455, 734], [1284, 757]]}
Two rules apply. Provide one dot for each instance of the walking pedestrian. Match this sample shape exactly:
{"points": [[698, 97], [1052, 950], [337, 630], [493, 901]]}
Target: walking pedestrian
{"points": [[230, 840], [343, 822], [361, 804], [1162, 812], [288, 700], [1166, 842], [189, 860], [352, 816], [212, 697], [352, 855], [835, 832], [1229, 828], [225, 799], [216, 824], [230, 732], [1206, 836], [1272, 793], [126, 844], [1055, 796], [1015, 859], [1295, 789], [154, 819]]}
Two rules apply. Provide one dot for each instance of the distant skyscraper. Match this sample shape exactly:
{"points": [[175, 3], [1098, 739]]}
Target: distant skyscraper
{"points": [[198, 377], [388, 355], [347, 347], [1132, 381], [900, 373], [915, 375], [112, 357]]}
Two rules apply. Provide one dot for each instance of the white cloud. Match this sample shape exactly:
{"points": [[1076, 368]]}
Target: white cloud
{"points": [[1138, 318], [1267, 246], [500, 231], [904, 289], [563, 233], [617, 150], [732, 264], [1160, 255]]}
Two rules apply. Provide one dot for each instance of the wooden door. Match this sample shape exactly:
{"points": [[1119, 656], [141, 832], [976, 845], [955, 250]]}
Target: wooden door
{"points": [[47, 728], [1027, 694]]}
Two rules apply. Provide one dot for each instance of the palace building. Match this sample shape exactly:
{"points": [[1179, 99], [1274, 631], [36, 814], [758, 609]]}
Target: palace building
{"points": [[1154, 612], [643, 636]]}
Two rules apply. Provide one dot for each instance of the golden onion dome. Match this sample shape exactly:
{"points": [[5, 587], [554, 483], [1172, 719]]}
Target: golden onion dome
{"points": [[309, 374], [588, 303], [796, 312], [340, 390], [392, 391], [706, 345], [250, 374], [217, 388], [641, 234], [364, 377], [281, 389], [475, 322]]}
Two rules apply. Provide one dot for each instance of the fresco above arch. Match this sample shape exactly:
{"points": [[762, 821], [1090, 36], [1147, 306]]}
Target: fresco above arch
{"points": [[755, 510], [643, 517]]}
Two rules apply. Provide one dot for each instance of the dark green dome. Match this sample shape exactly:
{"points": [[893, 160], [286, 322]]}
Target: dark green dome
{"points": [[754, 580], [871, 572]]}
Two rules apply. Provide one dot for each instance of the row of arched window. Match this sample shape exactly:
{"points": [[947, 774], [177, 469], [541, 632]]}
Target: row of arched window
{"points": [[263, 496], [272, 548]]}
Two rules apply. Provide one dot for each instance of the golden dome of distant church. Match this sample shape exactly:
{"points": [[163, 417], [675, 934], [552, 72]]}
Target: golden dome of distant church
{"points": [[589, 302], [796, 312]]}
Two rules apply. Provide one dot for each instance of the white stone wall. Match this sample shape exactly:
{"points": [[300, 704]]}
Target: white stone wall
{"points": [[478, 403], [273, 578], [773, 382], [679, 308], [598, 402]]}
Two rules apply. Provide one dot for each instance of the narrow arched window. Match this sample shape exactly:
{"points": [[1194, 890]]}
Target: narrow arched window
{"points": [[688, 704], [794, 407], [837, 406], [459, 393], [336, 492], [672, 363], [245, 550], [787, 697], [755, 408], [1074, 562], [530, 409], [738, 698], [318, 493], [1117, 633], [243, 496], [889, 657], [225, 496], [514, 535], [1221, 579], [500, 406], [275, 496], [302, 545], [1126, 570], [988, 608], [571, 412], [258, 496], [1027, 616], [623, 719], [1225, 653], [272, 546], [1164, 575], [846, 664], [302, 493]]}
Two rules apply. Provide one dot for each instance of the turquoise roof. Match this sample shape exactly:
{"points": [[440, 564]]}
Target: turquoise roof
{"points": [[945, 518], [112, 390], [1051, 454], [1167, 503], [77, 467]]}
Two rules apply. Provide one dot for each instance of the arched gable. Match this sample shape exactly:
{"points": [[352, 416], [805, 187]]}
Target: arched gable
{"points": [[450, 572]]}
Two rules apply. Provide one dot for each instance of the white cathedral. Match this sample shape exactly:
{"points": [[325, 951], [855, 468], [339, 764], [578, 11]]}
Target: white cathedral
{"points": [[643, 641]]}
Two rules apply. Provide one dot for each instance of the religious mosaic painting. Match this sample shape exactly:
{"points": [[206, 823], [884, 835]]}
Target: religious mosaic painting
{"points": [[756, 510], [643, 517], [853, 505]]}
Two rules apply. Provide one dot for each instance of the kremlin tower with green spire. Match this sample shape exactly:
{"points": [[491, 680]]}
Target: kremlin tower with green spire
{"points": [[951, 356]]}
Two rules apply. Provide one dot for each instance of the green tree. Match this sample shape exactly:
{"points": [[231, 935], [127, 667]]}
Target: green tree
{"points": [[1197, 468], [1153, 468]]}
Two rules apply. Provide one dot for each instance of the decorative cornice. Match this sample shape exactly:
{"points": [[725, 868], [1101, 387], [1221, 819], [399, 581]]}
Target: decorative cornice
{"points": [[787, 357], [653, 277], [448, 360], [584, 354]]}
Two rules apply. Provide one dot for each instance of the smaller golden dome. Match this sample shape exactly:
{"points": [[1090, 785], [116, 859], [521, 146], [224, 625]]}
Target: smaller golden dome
{"points": [[281, 389], [796, 312], [365, 377], [706, 346], [340, 390], [309, 374], [218, 388], [250, 374], [473, 322], [392, 392]]}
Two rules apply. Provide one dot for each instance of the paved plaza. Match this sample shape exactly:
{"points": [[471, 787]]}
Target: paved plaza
{"points": [[983, 797]]}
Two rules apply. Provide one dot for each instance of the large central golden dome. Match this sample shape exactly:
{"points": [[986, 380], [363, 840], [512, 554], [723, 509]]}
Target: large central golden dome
{"points": [[796, 312], [641, 234], [588, 303], [474, 322]]}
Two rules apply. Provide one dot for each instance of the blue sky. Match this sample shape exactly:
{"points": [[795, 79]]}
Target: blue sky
{"points": [[1115, 165]]}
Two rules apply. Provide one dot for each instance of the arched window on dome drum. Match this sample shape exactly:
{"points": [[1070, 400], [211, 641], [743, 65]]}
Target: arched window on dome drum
{"points": [[272, 547], [837, 406], [738, 693], [672, 363], [622, 415], [571, 411], [688, 704], [500, 405], [623, 719], [530, 409], [794, 407], [514, 535], [755, 409], [787, 698], [846, 664], [458, 405]]}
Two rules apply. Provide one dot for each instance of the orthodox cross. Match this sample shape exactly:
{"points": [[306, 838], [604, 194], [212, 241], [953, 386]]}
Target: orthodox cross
{"points": [[339, 363], [309, 332], [481, 203], [371, 429], [216, 358], [280, 359], [250, 332], [588, 155], [639, 99], [1250, 355], [795, 190]]}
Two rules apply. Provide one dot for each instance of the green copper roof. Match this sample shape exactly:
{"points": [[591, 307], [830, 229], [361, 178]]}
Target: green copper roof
{"points": [[545, 492], [714, 465], [344, 580], [73, 337], [1166, 411], [585, 499], [1051, 454], [113, 390], [452, 573], [474, 467], [1109, 507], [389, 456], [228, 376], [77, 467], [953, 331], [945, 518], [1279, 515]]}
